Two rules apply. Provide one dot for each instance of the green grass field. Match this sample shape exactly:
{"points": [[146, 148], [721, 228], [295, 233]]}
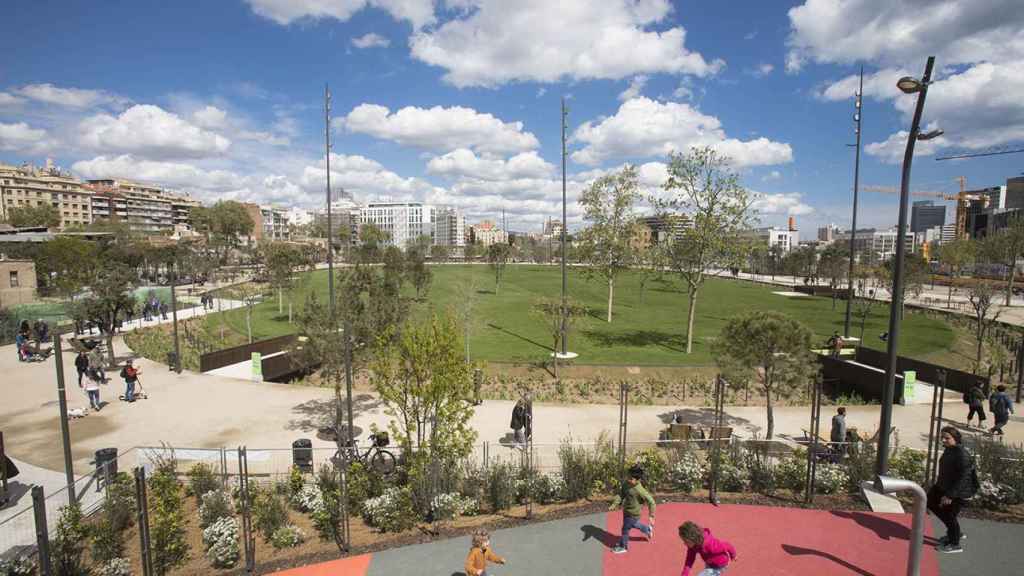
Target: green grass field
{"points": [[652, 333]]}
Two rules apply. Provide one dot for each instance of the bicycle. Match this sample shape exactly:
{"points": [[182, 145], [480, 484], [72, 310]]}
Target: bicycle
{"points": [[376, 458]]}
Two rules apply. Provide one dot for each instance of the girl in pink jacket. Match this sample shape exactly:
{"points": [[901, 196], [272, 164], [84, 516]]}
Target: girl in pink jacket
{"points": [[716, 553]]}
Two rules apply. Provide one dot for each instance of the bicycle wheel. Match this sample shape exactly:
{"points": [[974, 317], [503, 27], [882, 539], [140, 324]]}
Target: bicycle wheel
{"points": [[383, 463]]}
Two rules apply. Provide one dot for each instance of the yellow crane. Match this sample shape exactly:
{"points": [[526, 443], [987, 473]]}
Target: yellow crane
{"points": [[962, 199]]}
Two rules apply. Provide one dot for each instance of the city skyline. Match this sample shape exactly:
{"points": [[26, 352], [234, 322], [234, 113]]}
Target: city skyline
{"points": [[452, 104]]}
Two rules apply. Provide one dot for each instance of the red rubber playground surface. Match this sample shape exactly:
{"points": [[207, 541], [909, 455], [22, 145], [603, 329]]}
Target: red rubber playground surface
{"points": [[769, 541]]}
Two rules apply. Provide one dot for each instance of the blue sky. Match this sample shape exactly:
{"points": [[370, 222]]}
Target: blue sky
{"points": [[457, 101]]}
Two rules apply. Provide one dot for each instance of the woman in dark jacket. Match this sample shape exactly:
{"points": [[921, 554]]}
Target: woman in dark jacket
{"points": [[954, 485], [976, 403]]}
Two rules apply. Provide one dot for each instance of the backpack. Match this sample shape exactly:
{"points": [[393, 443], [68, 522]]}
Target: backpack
{"points": [[124, 372], [997, 403], [975, 484], [967, 397]]}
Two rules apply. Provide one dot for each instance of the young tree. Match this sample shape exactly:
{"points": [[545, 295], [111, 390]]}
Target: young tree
{"points": [[465, 306], [954, 257], [109, 297], [371, 243], [915, 275], [439, 253], [862, 307], [470, 253], [280, 261], [606, 245], [980, 296], [224, 224], [250, 295], [774, 347], [648, 263], [66, 264], [33, 216], [834, 266], [1005, 247], [424, 382], [498, 255], [719, 211], [550, 313], [417, 271]]}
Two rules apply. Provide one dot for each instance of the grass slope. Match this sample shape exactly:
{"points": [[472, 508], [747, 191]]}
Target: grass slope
{"points": [[651, 333]]}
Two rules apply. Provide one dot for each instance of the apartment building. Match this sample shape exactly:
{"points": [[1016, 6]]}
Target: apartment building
{"points": [[143, 207], [28, 185], [404, 222], [269, 222], [486, 233], [449, 227]]}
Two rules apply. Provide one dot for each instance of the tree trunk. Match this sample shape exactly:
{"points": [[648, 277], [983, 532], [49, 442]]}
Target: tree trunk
{"points": [[771, 415], [949, 294], [689, 320], [110, 349], [248, 322], [289, 312], [611, 292], [280, 300], [1009, 283], [981, 339], [467, 342]]}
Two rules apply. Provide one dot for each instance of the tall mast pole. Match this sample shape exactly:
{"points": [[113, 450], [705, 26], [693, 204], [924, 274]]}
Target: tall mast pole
{"points": [[330, 228], [856, 187], [565, 347]]}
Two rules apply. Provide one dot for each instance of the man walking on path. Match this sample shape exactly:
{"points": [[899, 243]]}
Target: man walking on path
{"points": [[976, 402], [81, 364], [1001, 407], [131, 376], [956, 483], [632, 499], [96, 363], [519, 422], [838, 434]]}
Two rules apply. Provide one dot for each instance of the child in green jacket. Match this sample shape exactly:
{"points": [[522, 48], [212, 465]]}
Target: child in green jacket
{"points": [[633, 498]]}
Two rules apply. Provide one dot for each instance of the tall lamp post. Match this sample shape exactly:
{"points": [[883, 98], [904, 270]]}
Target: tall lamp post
{"points": [[856, 188], [907, 85]]}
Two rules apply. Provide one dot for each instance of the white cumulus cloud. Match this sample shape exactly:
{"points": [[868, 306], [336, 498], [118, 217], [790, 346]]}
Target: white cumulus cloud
{"points": [[417, 12], [636, 86], [440, 129], [20, 137], [371, 40], [464, 163], [644, 128], [496, 42], [180, 175], [789, 204], [152, 132], [69, 97]]}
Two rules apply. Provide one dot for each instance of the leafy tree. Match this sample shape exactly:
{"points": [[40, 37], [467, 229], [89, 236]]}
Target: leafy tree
{"points": [[249, 294], [419, 275], [280, 262], [108, 299], [67, 558], [498, 255], [371, 243], [470, 252], [915, 275], [834, 265], [862, 307], [980, 296], [167, 531], [465, 306], [607, 243], [439, 253], [770, 345], [720, 211], [649, 263], [422, 379], [66, 264], [550, 312], [33, 216], [224, 224], [954, 257], [1005, 247]]}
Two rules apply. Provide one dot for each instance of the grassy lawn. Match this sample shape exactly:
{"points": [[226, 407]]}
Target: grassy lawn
{"points": [[652, 333]]}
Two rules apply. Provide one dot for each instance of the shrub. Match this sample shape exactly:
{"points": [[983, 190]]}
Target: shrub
{"points": [[501, 486], [577, 471], [107, 543], [762, 472], [116, 516], [473, 483], [655, 468], [116, 567], [66, 550], [269, 512], [216, 504], [733, 475], [391, 511], [791, 472], [994, 495], [908, 465], [325, 513], [688, 472], [446, 506], [202, 479], [295, 482], [22, 566], [221, 542], [469, 506], [860, 465], [830, 479], [167, 522], [287, 536], [362, 484], [308, 499], [546, 488]]}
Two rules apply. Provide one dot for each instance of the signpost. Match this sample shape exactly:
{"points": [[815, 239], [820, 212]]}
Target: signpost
{"points": [[257, 367], [909, 382]]}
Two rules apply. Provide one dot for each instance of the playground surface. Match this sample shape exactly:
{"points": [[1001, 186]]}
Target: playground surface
{"points": [[769, 541]]}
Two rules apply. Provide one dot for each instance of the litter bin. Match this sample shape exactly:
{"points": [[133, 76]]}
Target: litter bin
{"points": [[302, 454], [106, 466], [172, 361]]}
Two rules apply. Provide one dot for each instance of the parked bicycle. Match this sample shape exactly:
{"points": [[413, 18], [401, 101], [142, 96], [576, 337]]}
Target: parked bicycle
{"points": [[376, 457]]}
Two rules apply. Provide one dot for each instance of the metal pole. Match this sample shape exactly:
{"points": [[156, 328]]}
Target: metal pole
{"points": [[887, 485], [174, 315], [3, 471], [856, 188], [896, 301], [713, 492], [812, 456], [938, 427], [623, 418], [143, 520], [565, 345], [42, 535], [330, 229], [1020, 369], [931, 436], [65, 432], [348, 378]]}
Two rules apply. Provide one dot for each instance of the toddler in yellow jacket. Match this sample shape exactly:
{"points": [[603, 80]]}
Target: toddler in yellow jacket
{"points": [[480, 554]]}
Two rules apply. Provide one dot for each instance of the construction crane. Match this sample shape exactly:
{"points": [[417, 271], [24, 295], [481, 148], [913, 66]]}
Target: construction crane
{"points": [[962, 199]]}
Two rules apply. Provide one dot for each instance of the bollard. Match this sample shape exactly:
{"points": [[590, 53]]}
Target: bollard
{"points": [[888, 485], [42, 535]]}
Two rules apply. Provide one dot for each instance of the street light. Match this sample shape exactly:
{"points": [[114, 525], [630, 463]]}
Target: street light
{"points": [[856, 188], [920, 87]]}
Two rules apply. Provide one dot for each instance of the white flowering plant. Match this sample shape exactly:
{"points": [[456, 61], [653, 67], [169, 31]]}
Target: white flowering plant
{"points": [[287, 536], [831, 479], [115, 567], [221, 542], [688, 472], [308, 499], [391, 511], [994, 495]]}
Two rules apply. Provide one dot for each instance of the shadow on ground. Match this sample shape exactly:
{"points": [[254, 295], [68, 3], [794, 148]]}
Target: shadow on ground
{"points": [[315, 414], [801, 551], [706, 417], [638, 338], [523, 338], [600, 534]]}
